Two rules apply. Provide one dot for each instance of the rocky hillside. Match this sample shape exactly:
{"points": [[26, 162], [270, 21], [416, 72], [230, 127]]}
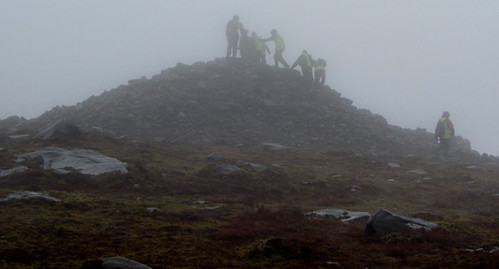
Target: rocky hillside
{"points": [[231, 102]]}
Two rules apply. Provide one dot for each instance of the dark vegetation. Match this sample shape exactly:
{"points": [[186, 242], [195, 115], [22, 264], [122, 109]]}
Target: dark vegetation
{"points": [[169, 211]]}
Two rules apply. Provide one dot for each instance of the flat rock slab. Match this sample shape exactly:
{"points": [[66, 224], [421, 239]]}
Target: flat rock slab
{"points": [[343, 215], [228, 170], [114, 263], [24, 195], [385, 222], [86, 162], [4, 173], [274, 146], [123, 263], [419, 172]]}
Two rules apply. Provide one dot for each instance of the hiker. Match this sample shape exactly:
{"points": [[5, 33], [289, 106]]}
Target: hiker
{"points": [[305, 61], [232, 32], [246, 46], [260, 48], [444, 131], [279, 48], [320, 72]]}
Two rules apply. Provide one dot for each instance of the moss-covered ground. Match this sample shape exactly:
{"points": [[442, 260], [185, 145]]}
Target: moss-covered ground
{"points": [[170, 211]]}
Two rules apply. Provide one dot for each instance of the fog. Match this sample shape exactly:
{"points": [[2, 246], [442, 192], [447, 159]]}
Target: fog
{"points": [[405, 60]]}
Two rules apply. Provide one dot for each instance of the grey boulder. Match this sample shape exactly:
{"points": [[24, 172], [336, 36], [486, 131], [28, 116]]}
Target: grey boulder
{"points": [[84, 161], [61, 128], [385, 222], [227, 170]]}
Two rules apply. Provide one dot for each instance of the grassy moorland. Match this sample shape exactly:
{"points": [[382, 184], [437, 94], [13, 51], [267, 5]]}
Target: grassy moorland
{"points": [[172, 211]]}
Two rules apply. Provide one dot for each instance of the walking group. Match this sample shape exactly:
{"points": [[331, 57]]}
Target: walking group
{"points": [[254, 47]]}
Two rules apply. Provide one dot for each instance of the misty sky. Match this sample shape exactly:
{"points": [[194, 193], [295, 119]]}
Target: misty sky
{"points": [[405, 60]]}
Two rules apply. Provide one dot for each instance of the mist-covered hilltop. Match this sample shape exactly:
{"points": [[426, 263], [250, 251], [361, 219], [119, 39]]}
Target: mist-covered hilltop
{"points": [[233, 102]]}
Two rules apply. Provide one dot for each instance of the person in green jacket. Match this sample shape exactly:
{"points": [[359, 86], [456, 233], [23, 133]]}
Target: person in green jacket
{"points": [[279, 48], [444, 132]]}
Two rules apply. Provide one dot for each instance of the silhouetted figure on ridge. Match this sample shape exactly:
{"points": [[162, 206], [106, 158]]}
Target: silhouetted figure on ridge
{"points": [[280, 46], [444, 131], [246, 46], [320, 72], [306, 62], [232, 32]]}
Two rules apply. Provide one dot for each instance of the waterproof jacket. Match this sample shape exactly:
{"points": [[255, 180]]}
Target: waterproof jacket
{"points": [[444, 129], [320, 64], [304, 61]]}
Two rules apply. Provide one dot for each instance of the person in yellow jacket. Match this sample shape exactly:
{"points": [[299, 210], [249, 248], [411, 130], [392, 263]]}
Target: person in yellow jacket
{"points": [[320, 72], [260, 48], [279, 48], [444, 132]]}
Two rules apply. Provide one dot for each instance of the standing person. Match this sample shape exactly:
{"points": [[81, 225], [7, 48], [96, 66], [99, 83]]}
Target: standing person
{"points": [[444, 131], [306, 63], [279, 48], [232, 32], [260, 48], [246, 48], [320, 72]]}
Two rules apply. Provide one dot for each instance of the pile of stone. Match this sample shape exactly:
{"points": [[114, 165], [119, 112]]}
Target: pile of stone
{"points": [[230, 101]]}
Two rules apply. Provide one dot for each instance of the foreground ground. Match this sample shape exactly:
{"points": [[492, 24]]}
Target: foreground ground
{"points": [[171, 211]]}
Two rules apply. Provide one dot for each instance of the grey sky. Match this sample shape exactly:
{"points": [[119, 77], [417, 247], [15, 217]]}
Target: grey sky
{"points": [[405, 60]]}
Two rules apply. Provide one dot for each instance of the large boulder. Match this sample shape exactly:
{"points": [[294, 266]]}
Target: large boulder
{"points": [[60, 129], [84, 161], [384, 222]]}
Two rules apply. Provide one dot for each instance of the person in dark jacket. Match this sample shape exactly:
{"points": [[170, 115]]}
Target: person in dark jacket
{"points": [[232, 32], [306, 62], [444, 132]]}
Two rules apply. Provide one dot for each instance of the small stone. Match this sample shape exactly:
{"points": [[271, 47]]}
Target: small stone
{"points": [[152, 209], [394, 165], [216, 156], [419, 172]]}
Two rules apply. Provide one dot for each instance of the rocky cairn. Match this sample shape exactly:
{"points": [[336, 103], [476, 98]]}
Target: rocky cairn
{"points": [[233, 102]]}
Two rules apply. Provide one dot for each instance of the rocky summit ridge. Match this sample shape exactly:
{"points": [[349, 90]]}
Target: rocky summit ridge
{"points": [[235, 102]]}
